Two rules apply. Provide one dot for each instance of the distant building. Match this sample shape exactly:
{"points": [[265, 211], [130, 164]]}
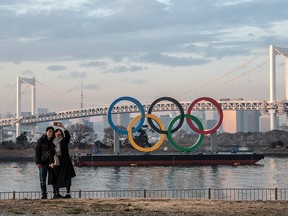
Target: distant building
{"points": [[117, 120], [251, 120], [232, 121], [41, 127], [1, 134], [211, 123], [166, 119], [85, 122], [25, 127], [26, 114], [124, 119], [105, 121], [240, 121], [264, 125], [99, 130]]}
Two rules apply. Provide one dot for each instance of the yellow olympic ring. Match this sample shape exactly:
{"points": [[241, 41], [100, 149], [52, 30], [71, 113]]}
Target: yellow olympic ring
{"points": [[135, 145]]}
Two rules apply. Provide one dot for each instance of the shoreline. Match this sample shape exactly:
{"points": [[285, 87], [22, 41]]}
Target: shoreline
{"points": [[17, 159], [22, 155], [21, 158]]}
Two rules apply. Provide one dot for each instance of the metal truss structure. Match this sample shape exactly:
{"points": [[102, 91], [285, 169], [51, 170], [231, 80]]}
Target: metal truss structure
{"points": [[279, 107]]}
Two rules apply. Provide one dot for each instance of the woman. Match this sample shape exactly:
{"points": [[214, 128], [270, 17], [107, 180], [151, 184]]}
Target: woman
{"points": [[62, 168]]}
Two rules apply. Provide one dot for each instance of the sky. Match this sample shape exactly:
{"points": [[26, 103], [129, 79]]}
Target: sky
{"points": [[140, 48]]}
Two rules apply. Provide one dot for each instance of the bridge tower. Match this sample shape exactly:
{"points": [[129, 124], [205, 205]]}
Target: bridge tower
{"points": [[273, 52], [32, 83]]}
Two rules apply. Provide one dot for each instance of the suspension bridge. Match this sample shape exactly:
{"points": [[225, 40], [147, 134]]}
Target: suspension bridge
{"points": [[272, 106]]}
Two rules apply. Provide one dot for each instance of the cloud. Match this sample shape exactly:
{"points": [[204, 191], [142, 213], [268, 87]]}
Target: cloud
{"points": [[74, 75], [172, 61], [91, 87], [100, 64], [117, 30], [27, 73], [125, 69], [138, 81], [56, 68], [77, 75], [85, 87], [134, 81]]}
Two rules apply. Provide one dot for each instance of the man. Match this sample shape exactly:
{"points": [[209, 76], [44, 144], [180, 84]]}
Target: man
{"points": [[42, 158]]}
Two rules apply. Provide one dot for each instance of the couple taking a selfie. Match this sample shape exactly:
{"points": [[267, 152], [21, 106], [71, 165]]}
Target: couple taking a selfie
{"points": [[52, 158]]}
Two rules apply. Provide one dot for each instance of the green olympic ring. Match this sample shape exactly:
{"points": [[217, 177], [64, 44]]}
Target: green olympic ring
{"points": [[195, 145]]}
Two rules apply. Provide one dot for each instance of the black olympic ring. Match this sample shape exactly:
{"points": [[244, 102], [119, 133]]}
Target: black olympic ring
{"points": [[150, 122]]}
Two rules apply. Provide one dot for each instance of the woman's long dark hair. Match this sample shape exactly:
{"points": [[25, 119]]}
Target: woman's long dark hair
{"points": [[60, 131]]}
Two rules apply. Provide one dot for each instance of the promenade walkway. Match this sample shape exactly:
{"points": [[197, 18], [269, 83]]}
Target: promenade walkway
{"points": [[157, 207]]}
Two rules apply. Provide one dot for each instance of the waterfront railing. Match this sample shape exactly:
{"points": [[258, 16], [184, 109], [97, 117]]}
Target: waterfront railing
{"points": [[210, 193]]}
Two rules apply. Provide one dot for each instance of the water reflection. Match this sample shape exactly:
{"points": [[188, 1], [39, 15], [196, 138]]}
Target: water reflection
{"points": [[272, 173]]}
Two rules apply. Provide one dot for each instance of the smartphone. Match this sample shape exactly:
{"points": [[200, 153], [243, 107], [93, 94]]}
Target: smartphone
{"points": [[57, 124]]}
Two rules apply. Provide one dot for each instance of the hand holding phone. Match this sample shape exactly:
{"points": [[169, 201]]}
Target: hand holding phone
{"points": [[58, 124]]}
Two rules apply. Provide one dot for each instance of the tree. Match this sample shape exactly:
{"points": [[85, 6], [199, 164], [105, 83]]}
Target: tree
{"points": [[141, 137], [81, 135], [22, 139], [108, 138]]}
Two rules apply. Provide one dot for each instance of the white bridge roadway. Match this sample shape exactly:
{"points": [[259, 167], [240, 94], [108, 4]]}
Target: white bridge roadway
{"points": [[279, 107]]}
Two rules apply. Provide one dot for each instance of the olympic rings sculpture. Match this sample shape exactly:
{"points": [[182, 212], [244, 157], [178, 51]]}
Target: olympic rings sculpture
{"points": [[161, 128]]}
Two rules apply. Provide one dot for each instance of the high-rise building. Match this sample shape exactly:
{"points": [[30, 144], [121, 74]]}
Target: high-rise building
{"points": [[232, 121], [41, 127], [99, 130], [117, 119], [211, 123], [251, 120], [124, 119], [240, 120], [166, 119], [85, 122], [1, 134], [105, 121], [264, 124], [201, 115]]}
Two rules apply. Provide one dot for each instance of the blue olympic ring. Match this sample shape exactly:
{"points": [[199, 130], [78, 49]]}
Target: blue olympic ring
{"points": [[138, 104]]}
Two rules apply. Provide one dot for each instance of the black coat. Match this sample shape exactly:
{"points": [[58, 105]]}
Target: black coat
{"points": [[60, 176], [42, 150]]}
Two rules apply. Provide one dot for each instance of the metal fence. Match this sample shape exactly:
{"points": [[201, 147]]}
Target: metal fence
{"points": [[213, 194]]}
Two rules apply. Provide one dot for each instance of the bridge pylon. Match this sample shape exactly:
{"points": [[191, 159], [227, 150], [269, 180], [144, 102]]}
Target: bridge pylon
{"points": [[274, 51], [32, 83]]}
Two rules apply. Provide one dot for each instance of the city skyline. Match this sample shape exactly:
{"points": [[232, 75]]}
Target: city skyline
{"points": [[145, 49]]}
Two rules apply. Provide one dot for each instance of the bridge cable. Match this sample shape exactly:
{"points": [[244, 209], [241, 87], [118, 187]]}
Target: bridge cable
{"points": [[13, 87], [56, 94], [222, 76]]}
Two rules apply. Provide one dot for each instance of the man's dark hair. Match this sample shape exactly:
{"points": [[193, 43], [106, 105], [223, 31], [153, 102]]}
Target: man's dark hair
{"points": [[49, 128]]}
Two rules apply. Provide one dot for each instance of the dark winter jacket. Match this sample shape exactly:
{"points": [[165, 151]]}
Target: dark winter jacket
{"points": [[64, 146], [60, 176], [42, 148]]}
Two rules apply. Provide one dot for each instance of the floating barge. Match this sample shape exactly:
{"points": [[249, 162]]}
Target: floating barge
{"points": [[166, 159]]}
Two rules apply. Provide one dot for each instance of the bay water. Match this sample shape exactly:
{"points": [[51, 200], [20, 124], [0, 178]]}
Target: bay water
{"points": [[271, 172]]}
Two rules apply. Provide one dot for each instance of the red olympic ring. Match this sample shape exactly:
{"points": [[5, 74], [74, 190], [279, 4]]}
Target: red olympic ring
{"points": [[218, 107]]}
